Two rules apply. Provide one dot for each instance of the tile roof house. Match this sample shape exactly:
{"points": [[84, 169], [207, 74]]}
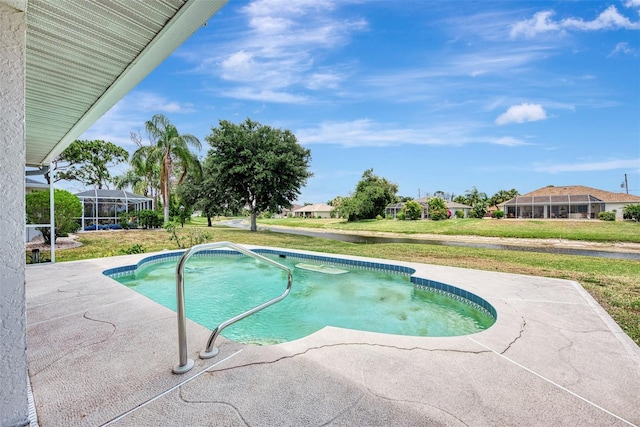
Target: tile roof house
{"points": [[285, 212], [318, 210], [569, 202]]}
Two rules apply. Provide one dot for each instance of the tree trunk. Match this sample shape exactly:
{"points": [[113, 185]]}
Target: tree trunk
{"points": [[165, 190], [254, 227], [46, 235], [166, 212], [165, 201], [209, 224]]}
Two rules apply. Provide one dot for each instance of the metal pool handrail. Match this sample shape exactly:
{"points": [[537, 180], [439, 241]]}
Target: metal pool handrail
{"points": [[185, 364]]}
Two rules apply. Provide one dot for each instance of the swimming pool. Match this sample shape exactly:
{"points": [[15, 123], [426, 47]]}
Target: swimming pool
{"points": [[362, 295]]}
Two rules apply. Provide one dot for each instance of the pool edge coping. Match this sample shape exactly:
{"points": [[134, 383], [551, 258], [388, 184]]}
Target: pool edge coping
{"points": [[457, 293]]}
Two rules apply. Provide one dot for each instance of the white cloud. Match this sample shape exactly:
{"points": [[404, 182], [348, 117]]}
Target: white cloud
{"points": [[149, 101], [238, 66], [623, 48], [508, 141], [357, 133], [297, 8], [264, 95], [542, 22], [632, 3], [324, 80], [493, 61], [522, 113], [130, 114], [609, 19], [589, 167], [367, 133], [281, 49]]}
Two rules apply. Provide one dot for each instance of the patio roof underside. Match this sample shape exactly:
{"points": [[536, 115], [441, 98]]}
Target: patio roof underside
{"points": [[553, 200], [82, 57]]}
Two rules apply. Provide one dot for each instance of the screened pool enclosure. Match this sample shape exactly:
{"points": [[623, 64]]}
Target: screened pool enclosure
{"points": [[101, 209], [557, 206]]}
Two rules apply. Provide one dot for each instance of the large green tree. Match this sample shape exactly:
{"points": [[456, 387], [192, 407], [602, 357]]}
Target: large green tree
{"points": [[262, 167], [67, 209], [88, 162], [170, 151], [204, 192], [371, 197]]}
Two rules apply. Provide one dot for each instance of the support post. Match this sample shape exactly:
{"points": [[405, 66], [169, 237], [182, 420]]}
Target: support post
{"points": [[14, 396]]}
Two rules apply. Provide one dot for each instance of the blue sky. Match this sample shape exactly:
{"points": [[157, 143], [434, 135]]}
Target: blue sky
{"points": [[434, 96]]}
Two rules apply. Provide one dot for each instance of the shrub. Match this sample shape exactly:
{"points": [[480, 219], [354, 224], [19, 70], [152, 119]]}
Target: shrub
{"points": [[459, 214], [607, 216], [195, 236], [135, 249], [379, 217], [498, 214], [401, 216], [437, 209], [412, 210], [172, 229], [67, 208], [632, 212], [126, 220], [149, 219], [478, 211]]}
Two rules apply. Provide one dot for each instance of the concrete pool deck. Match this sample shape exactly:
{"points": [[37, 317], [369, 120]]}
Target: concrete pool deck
{"points": [[100, 353]]}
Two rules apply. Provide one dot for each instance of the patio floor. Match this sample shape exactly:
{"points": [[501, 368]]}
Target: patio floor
{"points": [[100, 353]]}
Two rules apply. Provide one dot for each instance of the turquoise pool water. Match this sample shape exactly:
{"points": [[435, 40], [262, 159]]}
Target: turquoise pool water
{"points": [[218, 288]]}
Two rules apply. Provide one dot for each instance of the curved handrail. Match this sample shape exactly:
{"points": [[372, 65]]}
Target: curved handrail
{"points": [[185, 364]]}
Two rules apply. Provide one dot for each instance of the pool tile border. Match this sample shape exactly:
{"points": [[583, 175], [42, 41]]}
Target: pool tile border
{"points": [[450, 291]]}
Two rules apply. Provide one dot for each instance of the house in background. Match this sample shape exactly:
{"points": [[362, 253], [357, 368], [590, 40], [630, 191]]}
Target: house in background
{"points": [[284, 213], [318, 210], [568, 202], [392, 211], [31, 185], [455, 206]]}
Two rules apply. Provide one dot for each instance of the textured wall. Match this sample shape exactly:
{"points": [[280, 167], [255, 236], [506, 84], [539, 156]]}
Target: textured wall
{"points": [[13, 358]]}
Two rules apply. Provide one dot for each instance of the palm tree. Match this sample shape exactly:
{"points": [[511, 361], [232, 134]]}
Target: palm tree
{"points": [[475, 197], [129, 179], [143, 176], [171, 149], [148, 171], [503, 196]]}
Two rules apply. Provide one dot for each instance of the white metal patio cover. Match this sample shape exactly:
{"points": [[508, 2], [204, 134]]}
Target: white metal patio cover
{"points": [[83, 56]]}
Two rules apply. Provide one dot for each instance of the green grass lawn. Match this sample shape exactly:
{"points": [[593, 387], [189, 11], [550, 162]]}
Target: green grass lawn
{"points": [[613, 283], [593, 230]]}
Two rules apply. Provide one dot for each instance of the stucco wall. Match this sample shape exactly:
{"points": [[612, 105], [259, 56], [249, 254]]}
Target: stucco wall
{"points": [[13, 359], [618, 207]]}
